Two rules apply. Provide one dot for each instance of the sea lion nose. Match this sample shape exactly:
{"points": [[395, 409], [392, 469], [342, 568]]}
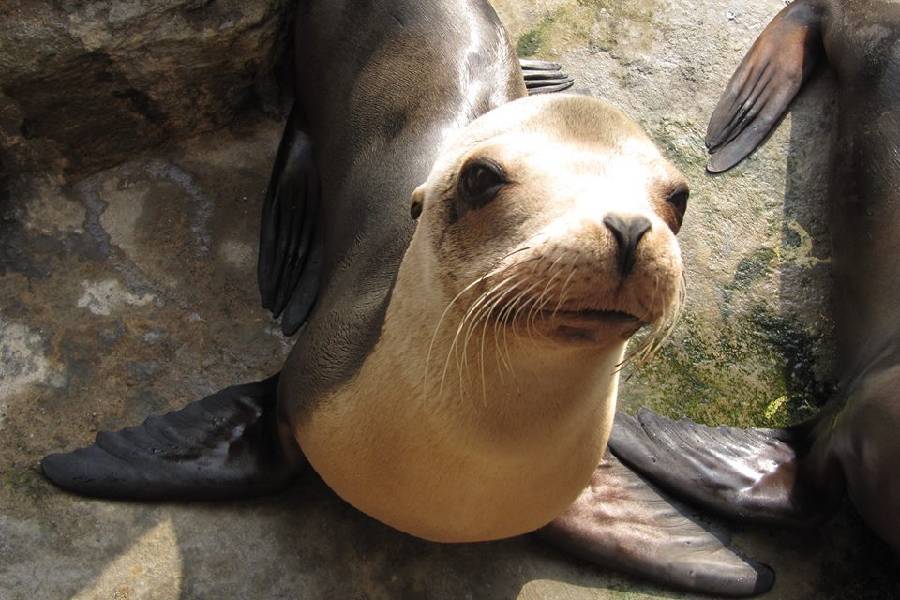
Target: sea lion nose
{"points": [[628, 231]]}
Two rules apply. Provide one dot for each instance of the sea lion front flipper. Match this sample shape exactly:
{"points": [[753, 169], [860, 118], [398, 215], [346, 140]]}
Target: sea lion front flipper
{"points": [[542, 77], [289, 249], [620, 521], [764, 84], [222, 447], [738, 473]]}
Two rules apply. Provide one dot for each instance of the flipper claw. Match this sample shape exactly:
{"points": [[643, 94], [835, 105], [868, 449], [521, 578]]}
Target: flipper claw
{"points": [[543, 77]]}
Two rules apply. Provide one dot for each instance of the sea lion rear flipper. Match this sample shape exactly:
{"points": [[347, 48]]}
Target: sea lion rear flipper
{"points": [[764, 84], [620, 521], [289, 249], [224, 446], [543, 77], [739, 473]]}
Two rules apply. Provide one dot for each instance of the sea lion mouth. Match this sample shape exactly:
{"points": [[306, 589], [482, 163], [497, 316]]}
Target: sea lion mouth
{"points": [[591, 324], [589, 315]]}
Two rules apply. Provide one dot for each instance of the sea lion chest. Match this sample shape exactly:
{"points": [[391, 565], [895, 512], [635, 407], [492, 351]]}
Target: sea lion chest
{"points": [[458, 467]]}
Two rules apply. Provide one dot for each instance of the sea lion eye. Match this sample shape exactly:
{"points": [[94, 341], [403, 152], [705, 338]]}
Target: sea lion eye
{"points": [[678, 198], [479, 182]]}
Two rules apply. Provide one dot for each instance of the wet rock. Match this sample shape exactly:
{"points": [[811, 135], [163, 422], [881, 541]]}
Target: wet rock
{"points": [[180, 226], [22, 361], [87, 84], [104, 297]]}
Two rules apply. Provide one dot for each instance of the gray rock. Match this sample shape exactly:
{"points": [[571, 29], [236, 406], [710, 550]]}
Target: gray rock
{"points": [[85, 85], [159, 247]]}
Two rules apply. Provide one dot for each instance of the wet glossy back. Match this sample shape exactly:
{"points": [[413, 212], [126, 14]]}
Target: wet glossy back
{"points": [[381, 84], [865, 187]]}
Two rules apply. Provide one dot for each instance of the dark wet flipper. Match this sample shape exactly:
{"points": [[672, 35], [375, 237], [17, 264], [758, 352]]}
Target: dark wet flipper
{"points": [[738, 473], [764, 84], [305, 292], [222, 447], [544, 77], [622, 522], [289, 256]]}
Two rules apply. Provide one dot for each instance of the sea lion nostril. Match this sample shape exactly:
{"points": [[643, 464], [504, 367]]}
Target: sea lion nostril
{"points": [[628, 231]]}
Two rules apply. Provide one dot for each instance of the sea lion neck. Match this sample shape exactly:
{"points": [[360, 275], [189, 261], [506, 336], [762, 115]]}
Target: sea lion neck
{"points": [[450, 353], [404, 442]]}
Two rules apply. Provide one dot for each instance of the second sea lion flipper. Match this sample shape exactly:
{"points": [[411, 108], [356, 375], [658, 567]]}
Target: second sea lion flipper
{"points": [[739, 473], [764, 84], [289, 249], [622, 522], [542, 77], [222, 447]]}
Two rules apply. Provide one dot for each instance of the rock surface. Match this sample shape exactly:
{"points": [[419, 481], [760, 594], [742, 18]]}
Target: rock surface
{"points": [[132, 291], [88, 84]]}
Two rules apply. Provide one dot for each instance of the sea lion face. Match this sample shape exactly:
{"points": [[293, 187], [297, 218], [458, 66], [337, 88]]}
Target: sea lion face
{"points": [[556, 219]]}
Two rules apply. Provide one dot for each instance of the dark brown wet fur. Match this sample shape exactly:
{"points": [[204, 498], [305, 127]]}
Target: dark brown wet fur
{"points": [[377, 88]]}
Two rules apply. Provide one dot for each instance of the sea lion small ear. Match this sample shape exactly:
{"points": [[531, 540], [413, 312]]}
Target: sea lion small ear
{"points": [[418, 202]]}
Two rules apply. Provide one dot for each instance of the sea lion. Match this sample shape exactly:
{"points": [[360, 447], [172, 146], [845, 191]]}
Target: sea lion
{"points": [[456, 371], [852, 446]]}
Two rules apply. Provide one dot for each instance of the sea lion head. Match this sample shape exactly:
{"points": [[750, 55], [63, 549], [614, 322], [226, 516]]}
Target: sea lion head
{"points": [[554, 218]]}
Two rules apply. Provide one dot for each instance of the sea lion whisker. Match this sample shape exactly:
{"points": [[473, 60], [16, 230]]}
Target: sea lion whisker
{"points": [[464, 364], [466, 316], [674, 315], [504, 320], [536, 311], [484, 328], [659, 333], [462, 358], [501, 321], [440, 322], [647, 349], [498, 322], [483, 316], [517, 306], [636, 356], [523, 301], [452, 348], [500, 267], [665, 328], [563, 295], [539, 303], [478, 309], [489, 309]]}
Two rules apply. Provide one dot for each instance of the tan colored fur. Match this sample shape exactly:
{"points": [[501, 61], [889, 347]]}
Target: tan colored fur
{"points": [[464, 424]]}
